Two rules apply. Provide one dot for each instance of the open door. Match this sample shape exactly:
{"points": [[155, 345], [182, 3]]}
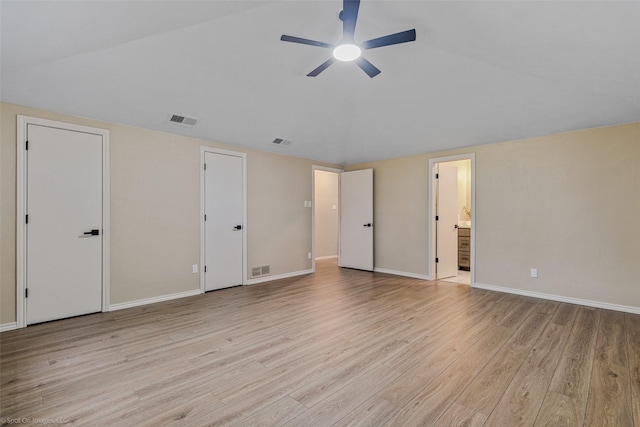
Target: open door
{"points": [[446, 221], [356, 220]]}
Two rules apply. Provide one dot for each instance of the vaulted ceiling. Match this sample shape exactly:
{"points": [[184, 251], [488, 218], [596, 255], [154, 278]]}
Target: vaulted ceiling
{"points": [[479, 71]]}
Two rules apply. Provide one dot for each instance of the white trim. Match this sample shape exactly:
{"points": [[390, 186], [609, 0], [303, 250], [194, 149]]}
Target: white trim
{"points": [[401, 273], [559, 298], [8, 327], [314, 168], [21, 208], [106, 223], [243, 156], [326, 257], [431, 241], [278, 277], [153, 300]]}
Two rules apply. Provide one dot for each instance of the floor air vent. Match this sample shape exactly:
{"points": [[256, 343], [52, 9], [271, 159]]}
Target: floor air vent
{"points": [[183, 120], [263, 270]]}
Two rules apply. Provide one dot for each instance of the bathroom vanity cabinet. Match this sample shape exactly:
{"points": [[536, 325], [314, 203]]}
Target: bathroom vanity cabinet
{"points": [[464, 248]]}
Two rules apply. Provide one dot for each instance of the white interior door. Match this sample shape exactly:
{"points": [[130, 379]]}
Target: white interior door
{"points": [[223, 226], [447, 214], [356, 220], [64, 203]]}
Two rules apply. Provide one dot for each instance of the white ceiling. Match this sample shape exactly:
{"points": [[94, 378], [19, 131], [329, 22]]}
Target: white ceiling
{"points": [[479, 71]]}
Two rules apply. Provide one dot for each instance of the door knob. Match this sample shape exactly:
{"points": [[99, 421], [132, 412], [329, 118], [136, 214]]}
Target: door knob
{"points": [[368, 225], [237, 227], [92, 233]]}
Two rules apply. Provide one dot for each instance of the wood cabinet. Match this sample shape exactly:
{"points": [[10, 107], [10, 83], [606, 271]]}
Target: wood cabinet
{"points": [[464, 248]]}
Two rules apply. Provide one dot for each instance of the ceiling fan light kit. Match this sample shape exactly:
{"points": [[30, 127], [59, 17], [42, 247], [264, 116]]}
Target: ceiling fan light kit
{"points": [[348, 50]]}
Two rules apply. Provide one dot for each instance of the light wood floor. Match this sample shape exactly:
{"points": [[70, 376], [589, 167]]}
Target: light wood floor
{"points": [[340, 347]]}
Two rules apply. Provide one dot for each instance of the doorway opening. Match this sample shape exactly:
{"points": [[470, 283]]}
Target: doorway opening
{"points": [[326, 214], [452, 231]]}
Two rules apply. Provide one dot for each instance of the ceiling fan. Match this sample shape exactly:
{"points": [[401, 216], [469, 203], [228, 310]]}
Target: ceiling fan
{"points": [[347, 49]]}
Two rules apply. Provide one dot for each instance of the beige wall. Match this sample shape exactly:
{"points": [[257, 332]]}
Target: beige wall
{"points": [[326, 217], [155, 210], [400, 204], [565, 204]]}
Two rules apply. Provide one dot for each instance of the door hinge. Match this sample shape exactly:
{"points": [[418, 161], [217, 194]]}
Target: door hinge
{"points": [[436, 217], [205, 268], [26, 292], [26, 145], [436, 260], [205, 166], [26, 219], [205, 217], [437, 175]]}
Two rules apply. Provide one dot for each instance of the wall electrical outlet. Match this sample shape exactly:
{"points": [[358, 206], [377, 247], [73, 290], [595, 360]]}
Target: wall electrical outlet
{"points": [[194, 268], [534, 272]]}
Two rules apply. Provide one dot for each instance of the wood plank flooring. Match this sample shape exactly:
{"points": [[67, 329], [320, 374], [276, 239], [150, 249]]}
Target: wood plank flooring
{"points": [[336, 348]]}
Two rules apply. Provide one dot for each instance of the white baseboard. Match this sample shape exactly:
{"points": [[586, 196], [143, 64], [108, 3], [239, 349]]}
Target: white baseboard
{"points": [[8, 326], [326, 257], [278, 277], [560, 298], [137, 303], [402, 273]]}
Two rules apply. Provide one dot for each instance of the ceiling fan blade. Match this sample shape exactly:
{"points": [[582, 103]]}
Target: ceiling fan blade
{"points": [[349, 17], [322, 67], [367, 67], [292, 39], [402, 37]]}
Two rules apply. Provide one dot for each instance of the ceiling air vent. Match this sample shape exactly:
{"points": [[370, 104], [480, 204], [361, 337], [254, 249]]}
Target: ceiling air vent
{"points": [[183, 120], [280, 141]]}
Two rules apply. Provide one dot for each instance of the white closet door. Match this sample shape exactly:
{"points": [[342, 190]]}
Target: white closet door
{"points": [[224, 226], [64, 228]]}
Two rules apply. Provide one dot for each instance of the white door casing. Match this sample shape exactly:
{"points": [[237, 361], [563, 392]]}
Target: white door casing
{"points": [[356, 220], [447, 213], [224, 219], [63, 188]]}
